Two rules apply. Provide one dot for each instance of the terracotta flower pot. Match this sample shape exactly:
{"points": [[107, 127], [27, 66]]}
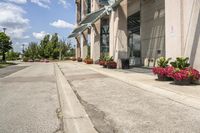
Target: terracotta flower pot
{"points": [[89, 61]]}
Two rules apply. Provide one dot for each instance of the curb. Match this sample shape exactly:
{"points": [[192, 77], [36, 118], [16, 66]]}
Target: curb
{"points": [[75, 118]]}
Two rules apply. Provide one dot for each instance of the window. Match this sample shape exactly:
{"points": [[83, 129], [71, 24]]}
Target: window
{"points": [[104, 36], [88, 6]]}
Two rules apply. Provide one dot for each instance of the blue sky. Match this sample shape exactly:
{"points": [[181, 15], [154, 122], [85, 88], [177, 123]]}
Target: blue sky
{"points": [[30, 20]]}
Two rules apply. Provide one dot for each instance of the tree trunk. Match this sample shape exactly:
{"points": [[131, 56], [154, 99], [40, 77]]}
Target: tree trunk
{"points": [[4, 57]]}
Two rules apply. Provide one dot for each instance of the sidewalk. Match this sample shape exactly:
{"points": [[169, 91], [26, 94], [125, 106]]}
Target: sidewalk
{"points": [[121, 102], [189, 95]]}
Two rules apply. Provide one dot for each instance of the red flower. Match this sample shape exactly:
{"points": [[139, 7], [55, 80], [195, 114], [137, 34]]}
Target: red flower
{"points": [[167, 71], [186, 74]]}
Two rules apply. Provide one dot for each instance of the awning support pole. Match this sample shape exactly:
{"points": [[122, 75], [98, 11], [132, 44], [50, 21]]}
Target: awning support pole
{"points": [[84, 37], [95, 28], [78, 42]]}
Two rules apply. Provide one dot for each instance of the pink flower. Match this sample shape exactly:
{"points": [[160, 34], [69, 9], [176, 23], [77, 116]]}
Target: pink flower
{"points": [[186, 74], [167, 71]]}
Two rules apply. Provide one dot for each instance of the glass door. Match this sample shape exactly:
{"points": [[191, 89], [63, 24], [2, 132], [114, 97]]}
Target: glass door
{"points": [[134, 40]]}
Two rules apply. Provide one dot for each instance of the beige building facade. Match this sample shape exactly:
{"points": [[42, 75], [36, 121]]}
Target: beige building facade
{"points": [[138, 30]]}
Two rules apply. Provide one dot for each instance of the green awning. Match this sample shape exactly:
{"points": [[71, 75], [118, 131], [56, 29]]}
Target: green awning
{"points": [[78, 31], [93, 17]]}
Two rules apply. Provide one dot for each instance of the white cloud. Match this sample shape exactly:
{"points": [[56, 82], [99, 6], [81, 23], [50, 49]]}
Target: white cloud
{"points": [[62, 24], [12, 18], [64, 3], [41, 3], [39, 35], [18, 1]]}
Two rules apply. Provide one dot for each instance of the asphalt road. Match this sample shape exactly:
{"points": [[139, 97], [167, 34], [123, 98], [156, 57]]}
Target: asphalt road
{"points": [[28, 100], [10, 69]]}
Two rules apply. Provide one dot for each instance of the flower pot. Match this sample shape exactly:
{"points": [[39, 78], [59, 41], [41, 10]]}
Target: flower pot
{"points": [[79, 60], [164, 78], [101, 63], [105, 64], [89, 62], [112, 65], [183, 82]]}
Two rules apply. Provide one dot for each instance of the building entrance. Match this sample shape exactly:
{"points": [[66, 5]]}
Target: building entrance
{"points": [[134, 41]]}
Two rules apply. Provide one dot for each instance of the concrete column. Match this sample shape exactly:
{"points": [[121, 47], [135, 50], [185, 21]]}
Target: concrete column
{"points": [[152, 31], [95, 35], [78, 47], [191, 31], [173, 28], [118, 32], [95, 41], [84, 47]]}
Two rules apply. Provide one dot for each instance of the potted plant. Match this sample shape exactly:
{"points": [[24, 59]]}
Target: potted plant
{"points": [[73, 59], [88, 60], [101, 60], [106, 59], [163, 70], [111, 64], [79, 59], [183, 74]]}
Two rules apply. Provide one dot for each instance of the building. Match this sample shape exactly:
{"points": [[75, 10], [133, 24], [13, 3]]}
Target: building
{"points": [[138, 30]]}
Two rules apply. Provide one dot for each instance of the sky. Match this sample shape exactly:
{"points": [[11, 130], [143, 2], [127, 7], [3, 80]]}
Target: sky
{"points": [[30, 20]]}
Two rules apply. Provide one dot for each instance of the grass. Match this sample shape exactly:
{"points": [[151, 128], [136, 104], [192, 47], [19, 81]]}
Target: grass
{"points": [[5, 64]]}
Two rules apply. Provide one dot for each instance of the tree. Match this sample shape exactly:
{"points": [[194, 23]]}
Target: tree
{"points": [[32, 51], [11, 55], [43, 46], [5, 45]]}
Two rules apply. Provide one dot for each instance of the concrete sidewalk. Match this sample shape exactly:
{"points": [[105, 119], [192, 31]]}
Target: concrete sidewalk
{"points": [[189, 95], [119, 102]]}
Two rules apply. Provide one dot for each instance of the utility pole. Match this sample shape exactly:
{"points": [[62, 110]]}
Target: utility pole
{"points": [[23, 51], [23, 48]]}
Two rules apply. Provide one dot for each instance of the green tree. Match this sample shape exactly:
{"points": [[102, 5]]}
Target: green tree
{"points": [[5, 45], [43, 46], [11, 55], [54, 46], [32, 51]]}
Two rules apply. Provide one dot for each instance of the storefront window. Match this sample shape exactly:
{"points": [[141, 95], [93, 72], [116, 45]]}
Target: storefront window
{"points": [[104, 36]]}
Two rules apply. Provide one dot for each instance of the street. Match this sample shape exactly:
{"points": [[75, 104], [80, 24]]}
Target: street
{"points": [[28, 100]]}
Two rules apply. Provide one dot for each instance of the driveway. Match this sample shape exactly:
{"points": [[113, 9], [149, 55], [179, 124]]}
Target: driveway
{"points": [[28, 100]]}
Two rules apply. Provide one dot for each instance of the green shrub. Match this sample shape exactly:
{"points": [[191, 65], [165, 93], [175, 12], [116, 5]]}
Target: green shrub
{"points": [[25, 59], [163, 62], [181, 63]]}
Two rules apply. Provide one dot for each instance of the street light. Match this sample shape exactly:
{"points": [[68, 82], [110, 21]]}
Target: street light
{"points": [[4, 30]]}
